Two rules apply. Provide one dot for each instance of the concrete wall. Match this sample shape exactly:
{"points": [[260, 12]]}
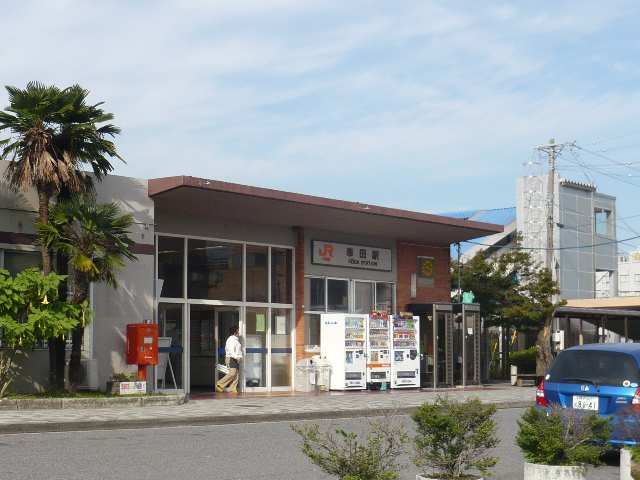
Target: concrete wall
{"points": [[131, 302], [223, 228]]}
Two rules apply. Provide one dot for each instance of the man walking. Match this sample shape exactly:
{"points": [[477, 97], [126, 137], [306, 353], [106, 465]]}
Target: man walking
{"points": [[233, 355]]}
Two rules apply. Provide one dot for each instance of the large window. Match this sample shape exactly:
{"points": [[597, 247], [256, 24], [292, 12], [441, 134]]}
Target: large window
{"points": [[603, 221], [322, 295], [281, 275], [16, 261], [257, 273], [214, 270], [170, 267], [337, 295], [363, 297]]}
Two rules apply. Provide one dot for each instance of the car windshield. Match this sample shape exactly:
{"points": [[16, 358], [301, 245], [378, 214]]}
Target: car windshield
{"points": [[594, 366]]}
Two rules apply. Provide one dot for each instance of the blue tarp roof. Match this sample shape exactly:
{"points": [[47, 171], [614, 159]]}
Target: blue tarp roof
{"points": [[498, 216]]}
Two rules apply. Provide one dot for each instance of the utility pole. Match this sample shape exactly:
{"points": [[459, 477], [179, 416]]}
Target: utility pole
{"points": [[459, 275], [552, 149]]}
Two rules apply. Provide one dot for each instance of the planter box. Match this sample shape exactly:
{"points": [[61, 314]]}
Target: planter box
{"points": [[533, 471], [420, 477], [629, 470]]}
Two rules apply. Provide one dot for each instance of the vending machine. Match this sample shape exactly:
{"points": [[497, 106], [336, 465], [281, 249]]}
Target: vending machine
{"points": [[405, 364], [378, 349], [343, 345]]}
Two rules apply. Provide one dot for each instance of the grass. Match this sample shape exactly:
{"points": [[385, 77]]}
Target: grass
{"points": [[82, 394]]}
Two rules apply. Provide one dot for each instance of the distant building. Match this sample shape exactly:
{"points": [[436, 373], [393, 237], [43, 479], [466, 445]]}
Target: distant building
{"points": [[629, 274], [585, 259]]}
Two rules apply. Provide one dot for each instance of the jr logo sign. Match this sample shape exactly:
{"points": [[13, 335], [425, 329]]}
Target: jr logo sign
{"points": [[326, 252]]}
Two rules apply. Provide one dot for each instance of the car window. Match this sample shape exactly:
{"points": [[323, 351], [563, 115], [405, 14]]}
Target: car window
{"points": [[602, 368]]}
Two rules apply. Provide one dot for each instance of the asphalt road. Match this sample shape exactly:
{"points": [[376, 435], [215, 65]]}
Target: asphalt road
{"points": [[228, 452]]}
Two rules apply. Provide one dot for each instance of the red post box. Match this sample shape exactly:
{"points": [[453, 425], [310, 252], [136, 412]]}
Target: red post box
{"points": [[142, 346]]}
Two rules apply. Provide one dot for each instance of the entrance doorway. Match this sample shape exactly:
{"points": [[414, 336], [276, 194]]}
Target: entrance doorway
{"points": [[209, 328]]}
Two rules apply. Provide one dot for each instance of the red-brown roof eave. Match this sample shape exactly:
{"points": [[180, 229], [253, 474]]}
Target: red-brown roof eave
{"points": [[158, 186]]}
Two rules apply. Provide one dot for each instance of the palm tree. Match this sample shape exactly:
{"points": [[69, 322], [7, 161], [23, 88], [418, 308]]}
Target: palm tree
{"points": [[95, 239], [53, 135]]}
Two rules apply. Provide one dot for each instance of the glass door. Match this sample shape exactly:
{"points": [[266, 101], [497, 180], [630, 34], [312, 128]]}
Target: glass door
{"points": [[255, 337], [203, 346], [227, 320], [281, 352], [170, 368]]}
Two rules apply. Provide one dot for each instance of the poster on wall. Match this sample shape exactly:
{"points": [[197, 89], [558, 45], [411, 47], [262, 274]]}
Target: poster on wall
{"points": [[425, 271], [352, 256]]}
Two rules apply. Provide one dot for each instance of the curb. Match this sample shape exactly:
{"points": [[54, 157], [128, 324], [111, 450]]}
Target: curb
{"points": [[202, 420], [21, 404]]}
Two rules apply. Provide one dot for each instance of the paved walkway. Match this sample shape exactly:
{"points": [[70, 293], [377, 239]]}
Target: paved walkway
{"points": [[249, 409]]}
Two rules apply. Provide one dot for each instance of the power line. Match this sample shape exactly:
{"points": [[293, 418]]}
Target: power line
{"points": [[577, 247]]}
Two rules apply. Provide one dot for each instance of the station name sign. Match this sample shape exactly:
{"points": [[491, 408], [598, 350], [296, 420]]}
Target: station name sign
{"points": [[352, 256]]}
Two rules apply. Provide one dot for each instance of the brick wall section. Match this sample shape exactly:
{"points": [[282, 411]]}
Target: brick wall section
{"points": [[299, 293], [407, 254]]}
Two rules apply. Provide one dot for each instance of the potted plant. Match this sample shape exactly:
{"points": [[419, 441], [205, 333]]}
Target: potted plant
{"points": [[559, 443], [453, 439], [371, 455], [113, 384]]}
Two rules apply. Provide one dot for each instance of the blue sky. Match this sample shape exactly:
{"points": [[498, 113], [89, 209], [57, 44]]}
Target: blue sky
{"points": [[431, 106]]}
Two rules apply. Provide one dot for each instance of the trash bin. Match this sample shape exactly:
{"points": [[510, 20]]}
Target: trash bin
{"points": [[305, 375], [323, 375]]}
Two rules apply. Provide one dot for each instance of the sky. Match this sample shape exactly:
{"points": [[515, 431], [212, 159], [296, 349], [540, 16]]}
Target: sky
{"points": [[424, 105]]}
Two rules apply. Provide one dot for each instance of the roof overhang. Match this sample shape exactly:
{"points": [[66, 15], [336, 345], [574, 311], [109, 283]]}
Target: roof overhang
{"points": [[184, 195], [632, 303]]}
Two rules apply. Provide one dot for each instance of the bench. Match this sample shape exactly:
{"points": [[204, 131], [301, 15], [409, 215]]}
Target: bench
{"points": [[521, 378]]}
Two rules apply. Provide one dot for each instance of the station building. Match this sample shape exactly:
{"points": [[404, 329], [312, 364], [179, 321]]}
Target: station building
{"points": [[214, 254]]}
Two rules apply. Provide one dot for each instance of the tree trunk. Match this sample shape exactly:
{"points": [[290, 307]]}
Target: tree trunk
{"points": [[78, 293], [43, 212], [544, 355]]}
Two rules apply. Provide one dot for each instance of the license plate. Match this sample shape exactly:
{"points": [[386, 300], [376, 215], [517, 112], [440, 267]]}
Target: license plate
{"points": [[585, 403]]}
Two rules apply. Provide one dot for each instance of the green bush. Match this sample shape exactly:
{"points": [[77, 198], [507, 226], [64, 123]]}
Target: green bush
{"points": [[349, 456], [563, 436], [453, 438], [525, 360]]}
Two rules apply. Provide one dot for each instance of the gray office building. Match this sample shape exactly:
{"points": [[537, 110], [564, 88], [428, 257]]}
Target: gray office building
{"points": [[585, 259]]}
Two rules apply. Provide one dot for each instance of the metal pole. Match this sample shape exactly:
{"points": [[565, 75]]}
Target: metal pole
{"points": [[459, 276]]}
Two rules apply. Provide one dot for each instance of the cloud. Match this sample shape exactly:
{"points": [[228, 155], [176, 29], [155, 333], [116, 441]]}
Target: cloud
{"points": [[309, 96]]}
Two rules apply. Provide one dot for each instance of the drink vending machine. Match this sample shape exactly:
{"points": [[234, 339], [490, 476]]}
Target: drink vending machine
{"points": [[378, 350], [405, 364], [342, 340]]}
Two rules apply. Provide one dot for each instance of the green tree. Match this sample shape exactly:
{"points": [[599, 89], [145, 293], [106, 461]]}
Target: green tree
{"points": [[453, 437], [95, 239], [53, 134], [373, 455], [514, 292], [30, 311], [563, 436]]}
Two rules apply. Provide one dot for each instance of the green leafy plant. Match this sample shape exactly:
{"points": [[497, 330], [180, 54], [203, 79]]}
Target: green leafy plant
{"points": [[95, 238], [453, 438], [525, 360], [30, 311], [346, 455], [562, 436], [123, 377]]}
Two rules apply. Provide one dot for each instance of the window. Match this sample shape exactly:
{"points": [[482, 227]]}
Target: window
{"points": [[337, 295], [314, 296], [257, 273], [17, 260], [363, 297], [214, 270], [281, 275], [280, 348], [170, 267], [602, 220], [312, 329], [384, 297]]}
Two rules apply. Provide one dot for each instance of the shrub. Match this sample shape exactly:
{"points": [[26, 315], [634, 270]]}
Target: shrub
{"points": [[562, 436], [31, 310], [349, 456], [453, 437], [525, 360]]}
